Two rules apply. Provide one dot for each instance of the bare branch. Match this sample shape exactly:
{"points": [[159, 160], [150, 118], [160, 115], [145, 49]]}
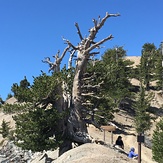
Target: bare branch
{"points": [[86, 104], [64, 52], [56, 65], [101, 23], [69, 44], [99, 43], [99, 116], [99, 19], [87, 94], [57, 54], [93, 86], [91, 95], [94, 53], [95, 22], [70, 58], [78, 31], [51, 65], [88, 78], [98, 47], [47, 60], [94, 30]]}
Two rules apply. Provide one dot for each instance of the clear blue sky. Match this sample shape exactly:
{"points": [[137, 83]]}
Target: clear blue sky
{"points": [[32, 29]]}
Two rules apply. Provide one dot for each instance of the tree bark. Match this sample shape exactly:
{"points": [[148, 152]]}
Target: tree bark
{"points": [[74, 127]]}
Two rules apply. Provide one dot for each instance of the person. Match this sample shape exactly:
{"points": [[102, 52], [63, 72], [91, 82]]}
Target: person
{"points": [[132, 153], [119, 142]]}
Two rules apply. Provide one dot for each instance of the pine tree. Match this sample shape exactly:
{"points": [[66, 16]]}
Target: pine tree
{"points": [[21, 91], [1, 102], [117, 72], [35, 130], [9, 96], [147, 64], [157, 142], [99, 106], [5, 129], [113, 72], [141, 107], [158, 69]]}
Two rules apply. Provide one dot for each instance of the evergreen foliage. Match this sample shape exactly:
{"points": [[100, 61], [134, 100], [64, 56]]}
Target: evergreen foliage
{"points": [[117, 71], [113, 72], [9, 96], [1, 102], [36, 116], [158, 69], [157, 142], [15, 108], [5, 128], [37, 119], [35, 129], [142, 117], [100, 107], [22, 91], [147, 64]]}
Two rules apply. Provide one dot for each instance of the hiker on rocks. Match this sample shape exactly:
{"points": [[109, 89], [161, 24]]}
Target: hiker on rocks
{"points": [[132, 154], [119, 142]]}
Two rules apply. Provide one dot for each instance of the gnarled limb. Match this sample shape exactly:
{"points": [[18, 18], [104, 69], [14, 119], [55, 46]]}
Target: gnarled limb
{"points": [[101, 23], [78, 31], [91, 95], [94, 53], [70, 44], [99, 43], [70, 58], [93, 31], [55, 67], [93, 86]]}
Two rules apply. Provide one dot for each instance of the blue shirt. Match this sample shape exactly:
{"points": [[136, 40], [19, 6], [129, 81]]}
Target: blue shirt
{"points": [[132, 154]]}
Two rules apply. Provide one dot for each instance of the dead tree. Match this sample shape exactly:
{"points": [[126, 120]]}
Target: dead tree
{"points": [[74, 128]]}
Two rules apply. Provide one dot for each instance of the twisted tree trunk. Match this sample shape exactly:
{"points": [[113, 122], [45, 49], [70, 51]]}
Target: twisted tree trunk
{"points": [[74, 127]]}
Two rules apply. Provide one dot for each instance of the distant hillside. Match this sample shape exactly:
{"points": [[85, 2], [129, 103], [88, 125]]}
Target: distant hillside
{"points": [[135, 59]]}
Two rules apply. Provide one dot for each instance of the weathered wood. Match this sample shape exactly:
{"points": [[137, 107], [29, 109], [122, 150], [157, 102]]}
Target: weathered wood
{"points": [[108, 128], [73, 127]]}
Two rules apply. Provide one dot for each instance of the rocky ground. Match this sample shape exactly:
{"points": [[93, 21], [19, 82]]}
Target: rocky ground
{"points": [[87, 153]]}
